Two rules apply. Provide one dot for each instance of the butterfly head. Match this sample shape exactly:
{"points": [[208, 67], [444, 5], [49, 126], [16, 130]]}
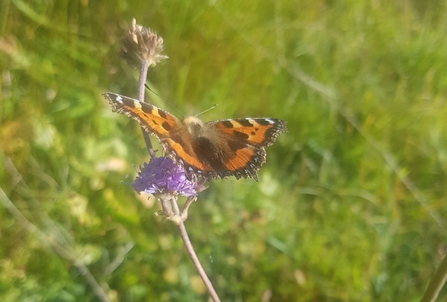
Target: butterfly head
{"points": [[194, 125]]}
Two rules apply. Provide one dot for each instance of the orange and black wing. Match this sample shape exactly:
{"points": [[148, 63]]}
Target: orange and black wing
{"points": [[261, 132], [242, 143], [171, 133], [153, 120]]}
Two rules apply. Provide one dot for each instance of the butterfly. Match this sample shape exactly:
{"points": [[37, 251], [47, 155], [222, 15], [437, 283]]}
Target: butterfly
{"points": [[216, 149]]}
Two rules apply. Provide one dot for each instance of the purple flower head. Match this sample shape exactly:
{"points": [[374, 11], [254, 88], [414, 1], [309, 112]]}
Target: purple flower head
{"points": [[162, 176]]}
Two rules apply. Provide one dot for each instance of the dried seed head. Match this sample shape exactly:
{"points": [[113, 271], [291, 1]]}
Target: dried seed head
{"points": [[141, 44]]}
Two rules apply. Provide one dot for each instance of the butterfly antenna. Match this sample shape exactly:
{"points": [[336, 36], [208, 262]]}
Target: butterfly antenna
{"points": [[150, 89], [211, 108], [164, 101]]}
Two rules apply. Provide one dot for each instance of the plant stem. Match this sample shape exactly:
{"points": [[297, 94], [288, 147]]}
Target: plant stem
{"points": [[192, 253], [437, 282], [141, 81], [174, 205]]}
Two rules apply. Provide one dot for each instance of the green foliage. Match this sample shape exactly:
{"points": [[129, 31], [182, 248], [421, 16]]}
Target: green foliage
{"points": [[350, 206]]}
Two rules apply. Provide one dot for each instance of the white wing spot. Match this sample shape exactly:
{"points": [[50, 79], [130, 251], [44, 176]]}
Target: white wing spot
{"points": [[137, 104]]}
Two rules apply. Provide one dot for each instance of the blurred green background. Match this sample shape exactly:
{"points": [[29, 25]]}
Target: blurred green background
{"points": [[350, 206]]}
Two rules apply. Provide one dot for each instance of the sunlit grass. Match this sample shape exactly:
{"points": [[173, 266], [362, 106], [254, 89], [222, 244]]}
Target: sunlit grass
{"points": [[349, 207]]}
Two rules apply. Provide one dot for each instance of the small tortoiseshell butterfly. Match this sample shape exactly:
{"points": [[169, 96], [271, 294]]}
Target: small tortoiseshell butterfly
{"points": [[216, 149]]}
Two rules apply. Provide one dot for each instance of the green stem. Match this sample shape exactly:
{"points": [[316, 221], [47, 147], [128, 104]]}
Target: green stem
{"points": [[437, 282]]}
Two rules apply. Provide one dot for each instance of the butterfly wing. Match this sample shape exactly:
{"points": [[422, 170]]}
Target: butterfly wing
{"points": [[153, 120], [261, 132], [240, 144], [171, 133]]}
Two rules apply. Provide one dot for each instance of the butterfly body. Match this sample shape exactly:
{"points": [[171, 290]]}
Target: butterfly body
{"points": [[216, 149]]}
